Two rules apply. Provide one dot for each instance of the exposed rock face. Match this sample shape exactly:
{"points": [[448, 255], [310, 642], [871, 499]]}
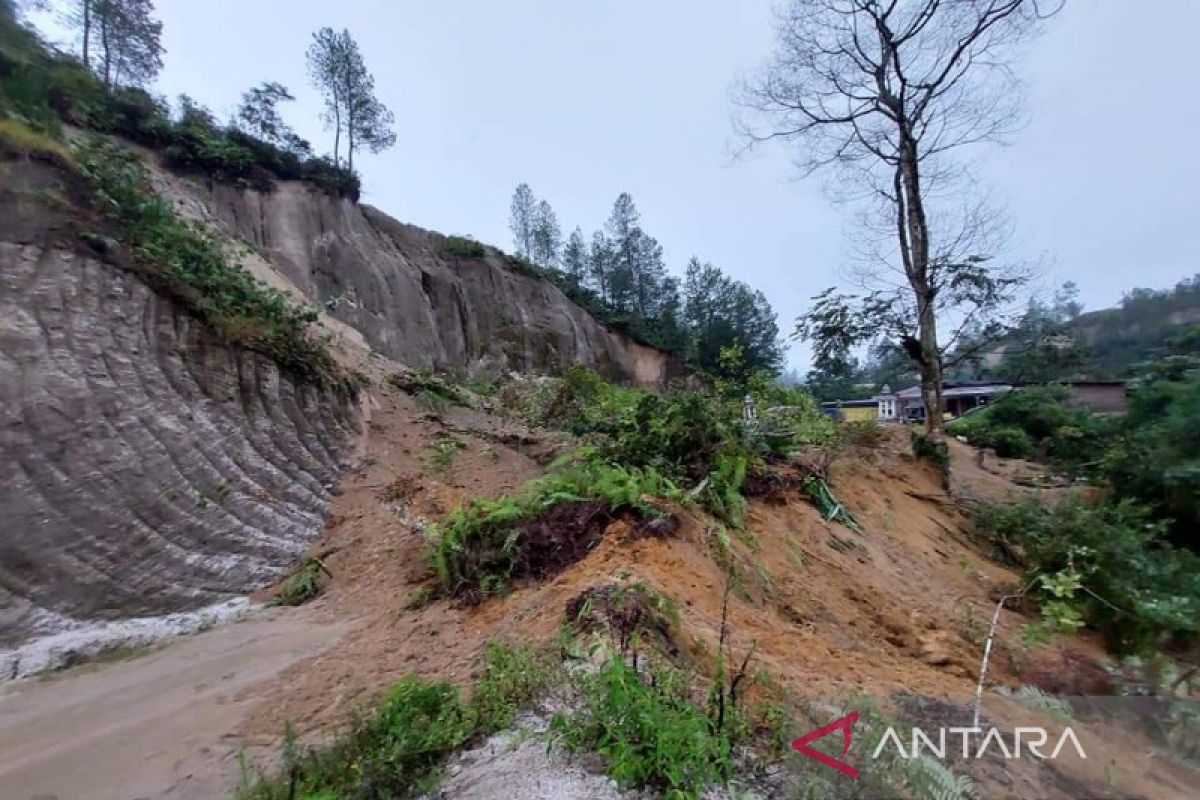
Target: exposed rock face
{"points": [[144, 467], [410, 297]]}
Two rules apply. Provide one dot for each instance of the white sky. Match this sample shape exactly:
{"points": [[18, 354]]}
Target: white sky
{"points": [[583, 101]]}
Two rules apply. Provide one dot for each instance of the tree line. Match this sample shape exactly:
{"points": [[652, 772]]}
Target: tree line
{"points": [[620, 272], [121, 42]]}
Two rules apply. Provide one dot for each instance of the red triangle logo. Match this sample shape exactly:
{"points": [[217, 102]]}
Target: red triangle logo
{"points": [[800, 745]]}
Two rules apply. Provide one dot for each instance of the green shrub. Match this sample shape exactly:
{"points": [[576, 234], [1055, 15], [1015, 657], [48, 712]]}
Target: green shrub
{"points": [[1155, 454], [1037, 423], [464, 247], [649, 732], [512, 678], [1008, 442], [391, 753], [302, 585], [396, 750], [722, 493], [1132, 586]]}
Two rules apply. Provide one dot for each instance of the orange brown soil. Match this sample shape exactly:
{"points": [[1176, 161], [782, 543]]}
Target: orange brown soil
{"points": [[901, 607]]}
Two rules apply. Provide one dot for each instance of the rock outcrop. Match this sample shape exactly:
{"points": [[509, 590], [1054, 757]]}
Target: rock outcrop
{"points": [[145, 467], [409, 295]]}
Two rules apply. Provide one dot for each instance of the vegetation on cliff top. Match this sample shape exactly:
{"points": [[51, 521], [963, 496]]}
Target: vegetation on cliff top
{"points": [[45, 89]]}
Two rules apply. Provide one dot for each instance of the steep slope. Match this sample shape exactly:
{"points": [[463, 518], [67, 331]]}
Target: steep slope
{"points": [[149, 467], [146, 467], [412, 298]]}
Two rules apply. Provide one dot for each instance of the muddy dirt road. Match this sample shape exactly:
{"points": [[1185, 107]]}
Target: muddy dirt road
{"points": [[157, 726]]}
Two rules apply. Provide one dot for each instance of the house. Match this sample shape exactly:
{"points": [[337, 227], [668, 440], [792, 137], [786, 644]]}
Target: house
{"points": [[958, 397], [852, 410], [1100, 397]]}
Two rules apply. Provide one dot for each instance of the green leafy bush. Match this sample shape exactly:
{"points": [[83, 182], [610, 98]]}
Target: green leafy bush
{"points": [[649, 732], [302, 585], [1037, 423], [397, 749], [722, 493], [1008, 442], [389, 754], [512, 678], [1155, 454], [1131, 585]]}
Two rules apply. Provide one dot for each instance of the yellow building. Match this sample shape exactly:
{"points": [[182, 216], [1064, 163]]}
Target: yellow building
{"points": [[853, 410]]}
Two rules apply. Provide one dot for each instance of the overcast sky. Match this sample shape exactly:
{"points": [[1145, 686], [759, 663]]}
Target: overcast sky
{"points": [[584, 101]]}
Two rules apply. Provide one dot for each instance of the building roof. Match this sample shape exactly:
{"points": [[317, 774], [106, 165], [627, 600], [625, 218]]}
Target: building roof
{"points": [[849, 403], [957, 389]]}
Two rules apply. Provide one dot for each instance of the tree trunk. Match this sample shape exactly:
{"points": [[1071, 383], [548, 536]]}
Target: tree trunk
{"points": [[106, 44], [337, 132], [917, 229], [87, 31]]}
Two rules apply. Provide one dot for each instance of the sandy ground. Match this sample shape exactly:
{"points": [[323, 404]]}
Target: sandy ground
{"points": [[160, 725]]}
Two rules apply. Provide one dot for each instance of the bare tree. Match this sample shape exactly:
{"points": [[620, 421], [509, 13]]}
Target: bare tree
{"points": [[884, 92]]}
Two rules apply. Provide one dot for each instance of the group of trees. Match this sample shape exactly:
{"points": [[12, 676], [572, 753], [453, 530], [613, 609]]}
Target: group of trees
{"points": [[351, 108], [621, 270], [121, 41]]}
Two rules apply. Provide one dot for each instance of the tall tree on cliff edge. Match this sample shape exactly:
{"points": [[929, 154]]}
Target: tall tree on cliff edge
{"points": [[547, 236], [120, 39], [337, 69], [522, 220], [884, 92], [575, 258]]}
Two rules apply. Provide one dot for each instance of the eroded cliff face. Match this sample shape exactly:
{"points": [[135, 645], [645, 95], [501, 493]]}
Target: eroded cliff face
{"points": [[145, 467], [410, 297]]}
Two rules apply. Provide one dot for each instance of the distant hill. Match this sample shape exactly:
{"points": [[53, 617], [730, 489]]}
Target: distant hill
{"points": [[1115, 339]]}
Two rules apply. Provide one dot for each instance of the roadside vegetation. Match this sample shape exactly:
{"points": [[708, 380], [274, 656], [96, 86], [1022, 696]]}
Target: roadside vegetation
{"points": [[1123, 559], [397, 749]]}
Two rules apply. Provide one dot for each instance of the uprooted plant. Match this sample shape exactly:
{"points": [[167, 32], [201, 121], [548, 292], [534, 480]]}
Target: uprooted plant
{"points": [[484, 545]]}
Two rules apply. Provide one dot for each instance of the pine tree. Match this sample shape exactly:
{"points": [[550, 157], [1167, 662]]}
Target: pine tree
{"points": [[522, 220], [575, 258], [624, 235], [337, 69], [127, 36], [547, 236], [258, 116], [601, 266]]}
